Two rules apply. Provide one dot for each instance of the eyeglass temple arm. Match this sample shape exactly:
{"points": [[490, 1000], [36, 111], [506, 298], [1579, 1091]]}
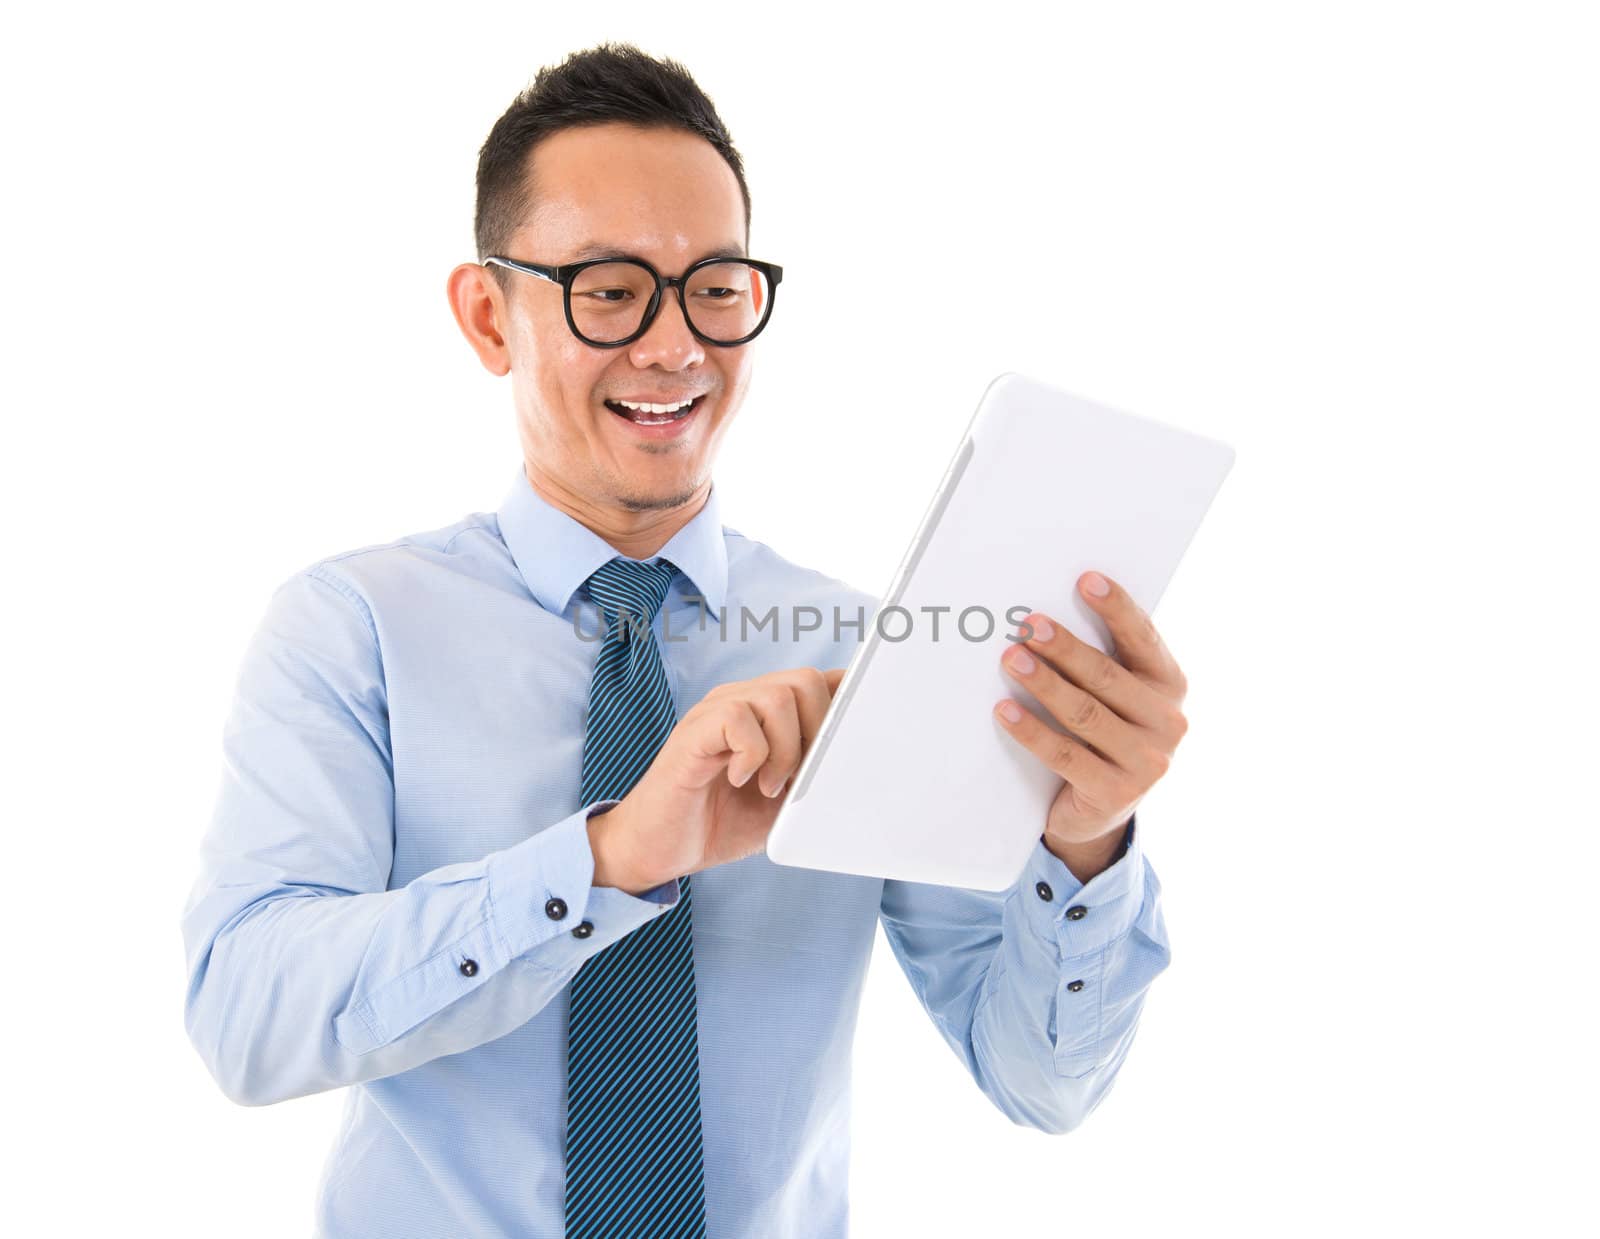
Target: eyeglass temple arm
{"points": [[518, 266]]}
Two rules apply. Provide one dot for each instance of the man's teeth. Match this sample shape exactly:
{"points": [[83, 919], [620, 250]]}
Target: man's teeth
{"points": [[657, 409]]}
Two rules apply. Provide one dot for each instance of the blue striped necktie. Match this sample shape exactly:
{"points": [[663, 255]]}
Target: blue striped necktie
{"points": [[633, 1071]]}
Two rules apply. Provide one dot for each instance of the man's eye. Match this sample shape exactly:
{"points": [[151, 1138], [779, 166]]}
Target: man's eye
{"points": [[604, 294], [720, 293]]}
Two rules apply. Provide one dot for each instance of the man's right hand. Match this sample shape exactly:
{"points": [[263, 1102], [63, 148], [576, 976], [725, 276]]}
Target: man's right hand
{"points": [[715, 788]]}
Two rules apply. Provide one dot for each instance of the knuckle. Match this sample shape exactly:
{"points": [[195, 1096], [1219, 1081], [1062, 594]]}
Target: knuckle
{"points": [[1063, 753], [1160, 761], [1085, 714], [770, 701], [1101, 675]]}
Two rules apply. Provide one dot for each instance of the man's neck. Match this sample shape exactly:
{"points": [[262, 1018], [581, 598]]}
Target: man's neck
{"points": [[637, 535]]}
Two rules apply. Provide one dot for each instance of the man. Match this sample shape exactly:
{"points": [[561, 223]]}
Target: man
{"points": [[488, 849]]}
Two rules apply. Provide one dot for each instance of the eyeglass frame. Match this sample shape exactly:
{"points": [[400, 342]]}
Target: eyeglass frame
{"points": [[566, 273]]}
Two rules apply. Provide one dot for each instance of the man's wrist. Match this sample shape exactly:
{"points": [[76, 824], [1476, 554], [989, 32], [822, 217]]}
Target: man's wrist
{"points": [[607, 841], [1089, 859]]}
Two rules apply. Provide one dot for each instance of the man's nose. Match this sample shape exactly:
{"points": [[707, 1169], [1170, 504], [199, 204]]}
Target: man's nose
{"points": [[669, 342]]}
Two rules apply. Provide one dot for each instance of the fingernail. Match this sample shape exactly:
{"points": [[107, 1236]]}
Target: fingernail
{"points": [[1043, 629], [1023, 661], [1096, 585], [778, 790], [1011, 711]]}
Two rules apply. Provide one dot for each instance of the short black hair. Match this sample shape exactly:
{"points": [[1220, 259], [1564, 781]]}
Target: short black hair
{"points": [[605, 83]]}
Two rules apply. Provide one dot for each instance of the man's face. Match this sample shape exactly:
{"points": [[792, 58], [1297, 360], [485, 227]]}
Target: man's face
{"points": [[669, 198]]}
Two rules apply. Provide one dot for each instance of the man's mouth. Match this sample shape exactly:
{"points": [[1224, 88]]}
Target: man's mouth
{"points": [[647, 413]]}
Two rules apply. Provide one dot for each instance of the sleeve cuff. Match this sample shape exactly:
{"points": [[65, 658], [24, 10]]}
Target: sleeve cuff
{"points": [[554, 864], [558, 864], [1083, 917]]}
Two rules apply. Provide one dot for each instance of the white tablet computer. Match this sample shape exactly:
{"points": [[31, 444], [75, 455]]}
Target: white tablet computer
{"points": [[911, 776]]}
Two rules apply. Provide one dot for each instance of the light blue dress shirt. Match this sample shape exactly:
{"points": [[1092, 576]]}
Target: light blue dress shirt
{"points": [[399, 804]]}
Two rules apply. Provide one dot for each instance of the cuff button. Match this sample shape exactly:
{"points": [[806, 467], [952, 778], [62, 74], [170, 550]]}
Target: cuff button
{"points": [[1074, 986], [555, 909], [469, 967], [1044, 892], [1077, 912], [583, 930]]}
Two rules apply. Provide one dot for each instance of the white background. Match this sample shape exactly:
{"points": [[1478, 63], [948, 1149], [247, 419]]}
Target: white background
{"points": [[1356, 241]]}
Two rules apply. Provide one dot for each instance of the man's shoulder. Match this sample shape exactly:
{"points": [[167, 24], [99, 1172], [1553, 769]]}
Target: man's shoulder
{"points": [[469, 547], [766, 574]]}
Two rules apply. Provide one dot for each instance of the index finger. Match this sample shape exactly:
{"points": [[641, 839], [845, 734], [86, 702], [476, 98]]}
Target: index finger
{"points": [[813, 692]]}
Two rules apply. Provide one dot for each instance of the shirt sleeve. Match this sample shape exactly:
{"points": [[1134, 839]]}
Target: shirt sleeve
{"points": [[1038, 988], [305, 972]]}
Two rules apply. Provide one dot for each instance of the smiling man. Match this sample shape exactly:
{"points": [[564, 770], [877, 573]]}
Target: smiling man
{"points": [[488, 850]]}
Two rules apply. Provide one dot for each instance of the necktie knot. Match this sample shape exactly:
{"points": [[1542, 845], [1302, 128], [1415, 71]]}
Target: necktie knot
{"points": [[630, 585]]}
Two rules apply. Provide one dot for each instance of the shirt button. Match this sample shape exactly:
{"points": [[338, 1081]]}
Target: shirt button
{"points": [[469, 967], [1075, 986], [1044, 892], [583, 930], [1077, 912], [555, 909]]}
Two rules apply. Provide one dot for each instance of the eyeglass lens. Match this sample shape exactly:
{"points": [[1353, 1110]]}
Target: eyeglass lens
{"points": [[725, 301]]}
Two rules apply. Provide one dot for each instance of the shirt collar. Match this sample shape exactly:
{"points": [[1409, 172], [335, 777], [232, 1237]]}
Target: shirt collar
{"points": [[556, 553]]}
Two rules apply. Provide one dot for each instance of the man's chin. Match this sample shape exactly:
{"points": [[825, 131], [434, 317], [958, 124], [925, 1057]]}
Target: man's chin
{"points": [[647, 495]]}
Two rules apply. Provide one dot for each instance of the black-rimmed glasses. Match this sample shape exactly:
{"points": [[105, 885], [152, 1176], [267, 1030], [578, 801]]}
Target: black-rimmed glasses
{"points": [[612, 301]]}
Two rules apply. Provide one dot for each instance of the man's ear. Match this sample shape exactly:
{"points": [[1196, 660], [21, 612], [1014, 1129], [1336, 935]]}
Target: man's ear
{"points": [[480, 311]]}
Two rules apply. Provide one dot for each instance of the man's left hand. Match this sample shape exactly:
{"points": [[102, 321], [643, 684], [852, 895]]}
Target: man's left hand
{"points": [[1123, 712]]}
